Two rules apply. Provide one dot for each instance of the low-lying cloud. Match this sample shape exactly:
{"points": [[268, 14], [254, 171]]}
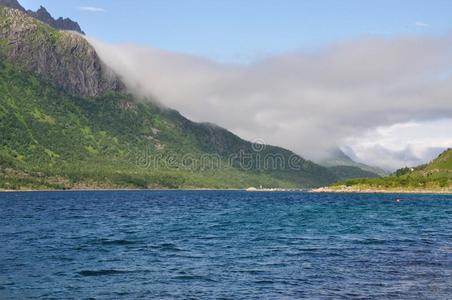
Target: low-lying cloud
{"points": [[407, 144], [309, 102]]}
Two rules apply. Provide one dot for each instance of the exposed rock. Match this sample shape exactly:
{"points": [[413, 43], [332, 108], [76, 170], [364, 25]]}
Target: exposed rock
{"points": [[64, 24], [61, 57], [12, 4], [43, 15]]}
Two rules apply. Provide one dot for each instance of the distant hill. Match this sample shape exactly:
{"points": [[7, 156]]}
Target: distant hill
{"points": [[351, 172], [434, 176], [66, 121], [342, 165]]}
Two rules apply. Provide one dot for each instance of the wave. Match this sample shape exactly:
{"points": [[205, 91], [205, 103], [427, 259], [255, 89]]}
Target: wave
{"points": [[116, 242], [102, 272]]}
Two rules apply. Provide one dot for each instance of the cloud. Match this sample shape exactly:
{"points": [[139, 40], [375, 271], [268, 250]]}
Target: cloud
{"points": [[307, 102], [421, 24], [399, 145], [91, 9]]}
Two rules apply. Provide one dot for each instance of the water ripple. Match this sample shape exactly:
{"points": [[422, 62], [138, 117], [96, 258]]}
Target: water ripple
{"points": [[224, 245]]}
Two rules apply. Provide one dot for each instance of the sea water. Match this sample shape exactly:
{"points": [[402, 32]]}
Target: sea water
{"points": [[224, 245]]}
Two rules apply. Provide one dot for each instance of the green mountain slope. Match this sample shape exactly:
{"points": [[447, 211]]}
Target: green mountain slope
{"points": [[434, 176], [351, 172], [114, 140], [67, 122]]}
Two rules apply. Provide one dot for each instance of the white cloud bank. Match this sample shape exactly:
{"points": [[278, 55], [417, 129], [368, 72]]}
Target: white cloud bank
{"points": [[307, 102]]}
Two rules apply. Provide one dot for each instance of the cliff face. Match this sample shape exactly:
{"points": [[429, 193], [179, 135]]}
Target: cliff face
{"points": [[64, 58], [44, 16]]}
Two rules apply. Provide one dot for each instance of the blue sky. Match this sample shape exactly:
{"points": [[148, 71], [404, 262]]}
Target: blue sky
{"points": [[245, 30]]}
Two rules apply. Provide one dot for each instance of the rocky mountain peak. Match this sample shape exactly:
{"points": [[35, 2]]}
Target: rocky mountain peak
{"points": [[63, 58], [44, 16]]}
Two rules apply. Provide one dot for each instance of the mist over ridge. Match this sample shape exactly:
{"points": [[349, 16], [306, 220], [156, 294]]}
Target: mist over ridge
{"points": [[307, 102]]}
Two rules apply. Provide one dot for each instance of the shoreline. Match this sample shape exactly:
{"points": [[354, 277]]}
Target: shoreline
{"points": [[313, 190], [115, 190], [378, 191]]}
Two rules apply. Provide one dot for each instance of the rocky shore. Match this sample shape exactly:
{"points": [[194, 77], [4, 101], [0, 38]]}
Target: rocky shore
{"points": [[350, 189]]}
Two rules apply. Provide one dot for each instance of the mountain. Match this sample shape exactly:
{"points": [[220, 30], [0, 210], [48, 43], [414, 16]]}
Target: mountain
{"points": [[63, 58], [43, 15], [351, 172], [434, 176], [12, 4], [66, 121], [64, 24], [338, 161]]}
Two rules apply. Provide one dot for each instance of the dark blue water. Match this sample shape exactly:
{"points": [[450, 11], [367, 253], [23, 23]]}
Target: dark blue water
{"points": [[228, 245]]}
